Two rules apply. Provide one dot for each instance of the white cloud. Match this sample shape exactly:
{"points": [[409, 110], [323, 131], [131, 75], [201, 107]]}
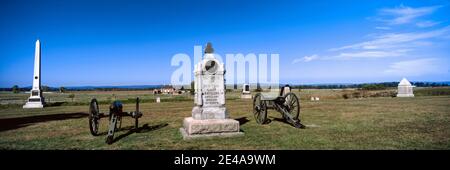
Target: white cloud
{"points": [[383, 28], [372, 54], [396, 40], [425, 24], [305, 59], [404, 14], [353, 55], [391, 44], [416, 67]]}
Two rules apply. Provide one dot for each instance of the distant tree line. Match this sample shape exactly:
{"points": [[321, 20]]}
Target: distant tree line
{"points": [[373, 87], [17, 89], [429, 84], [112, 89], [369, 86], [364, 86]]}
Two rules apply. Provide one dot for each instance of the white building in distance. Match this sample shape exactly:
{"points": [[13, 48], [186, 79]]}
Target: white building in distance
{"points": [[405, 89]]}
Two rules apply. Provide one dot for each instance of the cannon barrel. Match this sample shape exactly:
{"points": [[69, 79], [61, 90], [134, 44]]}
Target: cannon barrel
{"points": [[116, 108]]}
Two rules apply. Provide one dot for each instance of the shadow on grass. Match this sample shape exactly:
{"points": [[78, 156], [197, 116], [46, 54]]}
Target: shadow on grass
{"points": [[19, 122], [301, 126], [55, 104], [143, 129], [242, 120], [282, 120]]}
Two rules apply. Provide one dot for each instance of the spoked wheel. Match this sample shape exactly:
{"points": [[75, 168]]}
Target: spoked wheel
{"points": [[259, 109], [94, 117], [292, 105]]}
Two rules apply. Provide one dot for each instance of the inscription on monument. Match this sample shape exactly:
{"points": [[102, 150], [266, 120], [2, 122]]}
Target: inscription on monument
{"points": [[211, 90]]}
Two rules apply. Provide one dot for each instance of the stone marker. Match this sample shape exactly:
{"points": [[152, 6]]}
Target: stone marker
{"points": [[286, 89], [209, 115], [158, 100], [405, 89], [246, 94], [36, 100]]}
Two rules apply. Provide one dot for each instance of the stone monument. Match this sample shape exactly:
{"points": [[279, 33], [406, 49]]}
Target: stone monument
{"points": [[285, 90], [209, 115], [36, 100], [405, 89], [246, 92]]}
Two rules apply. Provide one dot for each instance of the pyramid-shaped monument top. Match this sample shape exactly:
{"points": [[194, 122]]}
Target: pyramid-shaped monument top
{"points": [[404, 82], [209, 49]]}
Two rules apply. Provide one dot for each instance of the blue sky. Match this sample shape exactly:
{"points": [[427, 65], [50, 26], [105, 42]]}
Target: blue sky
{"points": [[132, 42]]}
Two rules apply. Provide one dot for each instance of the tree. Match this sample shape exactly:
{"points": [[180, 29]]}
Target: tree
{"points": [[62, 89], [373, 87], [15, 89], [258, 88], [72, 96], [45, 88]]}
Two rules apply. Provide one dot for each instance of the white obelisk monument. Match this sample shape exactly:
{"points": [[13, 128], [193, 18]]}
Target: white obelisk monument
{"points": [[36, 100]]}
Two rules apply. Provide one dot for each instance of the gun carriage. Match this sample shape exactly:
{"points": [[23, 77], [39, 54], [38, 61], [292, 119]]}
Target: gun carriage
{"points": [[286, 102], [115, 115]]}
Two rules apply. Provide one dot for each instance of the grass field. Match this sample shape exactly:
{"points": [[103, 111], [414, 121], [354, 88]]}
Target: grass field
{"points": [[422, 122]]}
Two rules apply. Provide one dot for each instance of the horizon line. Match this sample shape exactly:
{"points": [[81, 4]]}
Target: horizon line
{"points": [[293, 84]]}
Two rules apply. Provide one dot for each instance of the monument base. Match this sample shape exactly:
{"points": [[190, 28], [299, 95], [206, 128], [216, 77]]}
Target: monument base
{"points": [[196, 128], [246, 96], [405, 95], [32, 105], [209, 112]]}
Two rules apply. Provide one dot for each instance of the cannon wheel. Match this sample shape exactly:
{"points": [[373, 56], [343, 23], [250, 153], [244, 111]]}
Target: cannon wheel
{"points": [[259, 109], [292, 105], [94, 117]]}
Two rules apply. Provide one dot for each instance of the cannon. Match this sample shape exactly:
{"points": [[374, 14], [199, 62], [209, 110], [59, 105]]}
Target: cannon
{"points": [[115, 115], [286, 102]]}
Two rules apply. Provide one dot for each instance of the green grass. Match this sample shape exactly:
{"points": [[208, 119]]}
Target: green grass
{"points": [[371, 123], [435, 91]]}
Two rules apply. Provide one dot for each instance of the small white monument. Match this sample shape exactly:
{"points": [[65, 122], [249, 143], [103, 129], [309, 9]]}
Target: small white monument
{"points": [[158, 100], [285, 90], [405, 89], [209, 115], [315, 98], [36, 100], [246, 94]]}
